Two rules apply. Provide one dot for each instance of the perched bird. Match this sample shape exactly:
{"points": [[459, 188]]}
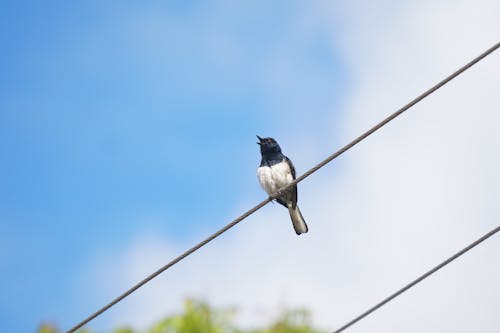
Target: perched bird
{"points": [[275, 172]]}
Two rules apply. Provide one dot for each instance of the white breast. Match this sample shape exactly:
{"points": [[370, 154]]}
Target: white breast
{"points": [[275, 177]]}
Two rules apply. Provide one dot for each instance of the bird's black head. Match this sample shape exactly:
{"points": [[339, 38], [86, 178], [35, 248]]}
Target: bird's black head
{"points": [[268, 146]]}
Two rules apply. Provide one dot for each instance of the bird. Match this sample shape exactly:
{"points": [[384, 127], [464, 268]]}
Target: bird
{"points": [[275, 172]]}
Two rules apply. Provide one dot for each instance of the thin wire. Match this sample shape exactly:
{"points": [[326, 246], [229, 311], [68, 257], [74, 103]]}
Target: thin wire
{"points": [[299, 179], [417, 280]]}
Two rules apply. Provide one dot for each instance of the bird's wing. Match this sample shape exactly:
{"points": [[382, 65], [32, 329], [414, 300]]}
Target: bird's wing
{"points": [[293, 190], [290, 164]]}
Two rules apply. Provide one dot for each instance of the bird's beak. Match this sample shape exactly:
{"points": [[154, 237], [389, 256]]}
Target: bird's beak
{"points": [[260, 139]]}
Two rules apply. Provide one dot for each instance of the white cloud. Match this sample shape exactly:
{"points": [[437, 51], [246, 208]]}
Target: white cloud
{"points": [[403, 200]]}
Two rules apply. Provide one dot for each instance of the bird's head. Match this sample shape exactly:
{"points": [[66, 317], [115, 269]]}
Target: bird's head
{"points": [[268, 145]]}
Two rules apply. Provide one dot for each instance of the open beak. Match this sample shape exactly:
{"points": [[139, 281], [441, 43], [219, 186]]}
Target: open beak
{"points": [[260, 139]]}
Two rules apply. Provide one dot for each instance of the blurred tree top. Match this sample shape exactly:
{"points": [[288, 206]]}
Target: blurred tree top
{"points": [[200, 317]]}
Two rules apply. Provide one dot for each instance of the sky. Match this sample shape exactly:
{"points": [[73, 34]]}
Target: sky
{"points": [[127, 134]]}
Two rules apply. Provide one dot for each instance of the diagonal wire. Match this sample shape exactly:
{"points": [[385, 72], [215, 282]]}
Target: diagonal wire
{"points": [[417, 280], [299, 179]]}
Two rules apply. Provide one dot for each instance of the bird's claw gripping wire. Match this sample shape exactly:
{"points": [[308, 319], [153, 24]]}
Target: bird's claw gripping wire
{"points": [[278, 194]]}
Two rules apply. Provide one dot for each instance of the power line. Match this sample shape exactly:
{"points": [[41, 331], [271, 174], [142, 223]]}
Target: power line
{"points": [[299, 179], [417, 280]]}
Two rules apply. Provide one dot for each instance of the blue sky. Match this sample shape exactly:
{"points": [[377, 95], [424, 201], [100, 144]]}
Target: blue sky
{"points": [[116, 115], [127, 133]]}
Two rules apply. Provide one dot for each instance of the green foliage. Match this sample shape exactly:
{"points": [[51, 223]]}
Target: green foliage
{"points": [[200, 317], [123, 330], [293, 321], [49, 328], [46, 328]]}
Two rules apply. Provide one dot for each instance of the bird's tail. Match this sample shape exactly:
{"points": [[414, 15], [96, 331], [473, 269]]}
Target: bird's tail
{"points": [[299, 224]]}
